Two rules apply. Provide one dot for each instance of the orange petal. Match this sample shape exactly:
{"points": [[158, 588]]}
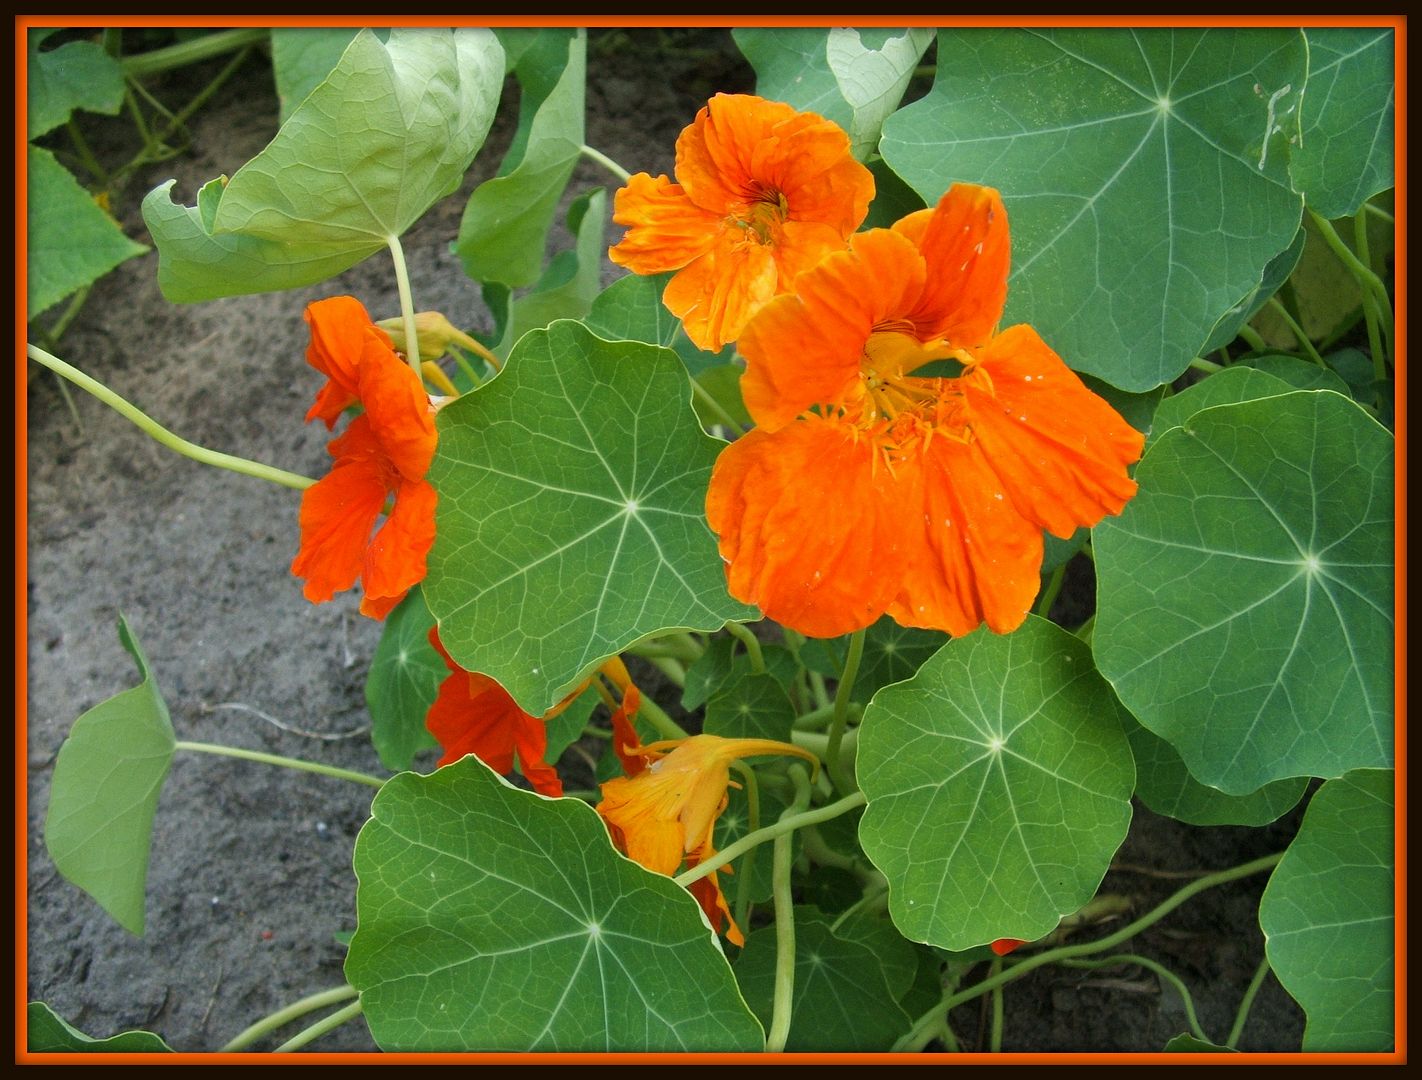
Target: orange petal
{"points": [[1059, 450], [624, 732], [395, 560], [964, 241], [971, 557], [666, 230], [1005, 945], [337, 514], [807, 349], [338, 335], [641, 816], [715, 155], [708, 894], [805, 519], [808, 160], [720, 291], [398, 408]]}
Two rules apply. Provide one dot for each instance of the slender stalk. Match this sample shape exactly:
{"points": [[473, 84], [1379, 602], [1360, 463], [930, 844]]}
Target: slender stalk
{"points": [[747, 872], [655, 715], [714, 407], [1209, 367], [316, 1030], [1084, 631], [731, 852], [843, 779], [669, 666], [606, 162], [1247, 1002], [874, 897], [161, 434], [1252, 339], [1380, 212], [652, 649], [783, 998], [435, 376], [86, 155], [205, 94], [1160, 970], [1049, 594], [284, 762], [71, 311], [285, 1016], [465, 366], [1370, 304], [407, 303], [752, 644], [190, 52], [1363, 273], [995, 1034], [1298, 331], [817, 686]]}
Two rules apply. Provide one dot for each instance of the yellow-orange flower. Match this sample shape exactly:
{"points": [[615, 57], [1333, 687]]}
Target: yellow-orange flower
{"points": [[762, 193], [867, 488], [385, 452], [667, 812]]}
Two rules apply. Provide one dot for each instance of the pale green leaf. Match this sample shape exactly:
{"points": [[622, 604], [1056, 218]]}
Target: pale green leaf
{"points": [[494, 919], [302, 57], [77, 75], [107, 779], [71, 241], [571, 519], [1145, 174], [1245, 595], [504, 230], [49, 1033], [1345, 154], [999, 782], [404, 680], [389, 132], [1327, 915]]}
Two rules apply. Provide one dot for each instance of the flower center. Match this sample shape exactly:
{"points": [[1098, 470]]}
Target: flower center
{"points": [[761, 216]]}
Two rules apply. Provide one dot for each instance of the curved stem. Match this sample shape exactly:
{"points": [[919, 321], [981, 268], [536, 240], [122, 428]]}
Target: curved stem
{"points": [[666, 727], [606, 162], [190, 52], [1160, 970], [1298, 331], [843, 779], [407, 303], [161, 434], [732, 852], [1247, 1002], [783, 998], [316, 1030], [715, 407], [747, 874], [1380, 212], [284, 762], [1049, 594], [995, 1036], [669, 666], [1252, 338], [285, 1016], [1209, 367], [1370, 308], [1366, 278], [751, 642]]}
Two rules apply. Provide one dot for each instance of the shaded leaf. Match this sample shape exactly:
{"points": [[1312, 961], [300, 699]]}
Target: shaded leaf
{"points": [[1299, 374], [405, 675], [1188, 1044], [302, 57], [76, 75], [1230, 386], [1274, 276], [631, 309], [49, 1033]]}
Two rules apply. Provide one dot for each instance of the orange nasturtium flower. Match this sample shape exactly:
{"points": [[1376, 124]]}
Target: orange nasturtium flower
{"points": [[385, 452], [762, 193], [667, 812], [866, 488]]}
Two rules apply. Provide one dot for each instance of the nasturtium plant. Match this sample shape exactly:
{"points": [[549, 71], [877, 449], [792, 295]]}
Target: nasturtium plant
{"points": [[789, 584]]}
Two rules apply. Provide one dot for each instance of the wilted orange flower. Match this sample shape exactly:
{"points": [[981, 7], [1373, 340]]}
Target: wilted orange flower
{"points": [[763, 192], [385, 452], [867, 488], [473, 714], [668, 811]]}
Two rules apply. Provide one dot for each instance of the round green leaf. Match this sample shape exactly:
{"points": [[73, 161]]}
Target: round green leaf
{"points": [[49, 1033], [1244, 597], [495, 919], [107, 779], [1346, 153], [631, 309], [571, 520], [752, 706], [1227, 387], [403, 683], [1300, 374], [1128, 161], [999, 782], [1327, 915], [891, 654]]}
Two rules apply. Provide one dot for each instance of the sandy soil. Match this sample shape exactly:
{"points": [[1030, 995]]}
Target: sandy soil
{"points": [[250, 877]]}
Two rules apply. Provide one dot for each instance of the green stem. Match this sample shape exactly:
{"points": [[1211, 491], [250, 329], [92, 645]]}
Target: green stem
{"points": [[1366, 278], [714, 406], [821, 853], [191, 52], [206, 93], [1304, 341], [161, 434], [71, 312], [1252, 339], [843, 779], [606, 162], [670, 667], [783, 998], [287, 1015], [1247, 1002], [285, 762], [316, 1030], [873, 897], [652, 649], [465, 366], [150, 144], [995, 1035], [1209, 367], [1049, 594], [86, 155], [1380, 212], [407, 303], [1370, 307], [1085, 629], [655, 715], [817, 687], [817, 718], [752, 644], [786, 824], [925, 1027], [1160, 970], [747, 871]]}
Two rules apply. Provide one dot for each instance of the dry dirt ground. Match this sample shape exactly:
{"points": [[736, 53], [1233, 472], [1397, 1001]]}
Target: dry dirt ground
{"points": [[250, 878]]}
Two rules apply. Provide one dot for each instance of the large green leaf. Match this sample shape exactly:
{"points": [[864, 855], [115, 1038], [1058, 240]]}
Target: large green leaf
{"points": [[843, 1002], [571, 519], [49, 1033], [1145, 173], [302, 57], [404, 679], [891, 654], [1299, 374], [631, 309], [1244, 597], [71, 241], [391, 130], [506, 221], [1227, 387], [107, 779], [750, 706], [854, 77], [77, 75], [1274, 276], [1327, 915], [1166, 786], [1345, 154], [999, 782], [495, 919]]}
